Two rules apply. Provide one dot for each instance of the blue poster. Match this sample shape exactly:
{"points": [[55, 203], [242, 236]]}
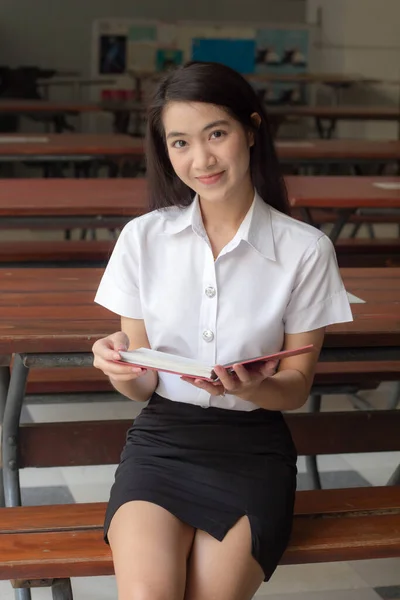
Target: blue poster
{"points": [[235, 53]]}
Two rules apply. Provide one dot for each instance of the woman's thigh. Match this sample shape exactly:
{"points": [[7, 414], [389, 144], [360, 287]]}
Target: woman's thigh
{"points": [[223, 570], [150, 548]]}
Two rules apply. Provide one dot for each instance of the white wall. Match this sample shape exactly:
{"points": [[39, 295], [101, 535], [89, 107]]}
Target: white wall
{"points": [[56, 33], [361, 37]]}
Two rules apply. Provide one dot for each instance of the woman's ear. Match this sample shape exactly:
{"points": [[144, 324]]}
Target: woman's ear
{"points": [[256, 120]]}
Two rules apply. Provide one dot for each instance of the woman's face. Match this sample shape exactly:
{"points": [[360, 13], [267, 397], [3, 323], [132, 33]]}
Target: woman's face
{"points": [[208, 149]]}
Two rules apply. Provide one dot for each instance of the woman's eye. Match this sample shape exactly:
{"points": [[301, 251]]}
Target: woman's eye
{"points": [[179, 144], [217, 134]]}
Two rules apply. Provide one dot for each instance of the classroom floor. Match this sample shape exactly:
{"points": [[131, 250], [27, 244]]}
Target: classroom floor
{"points": [[361, 580]]}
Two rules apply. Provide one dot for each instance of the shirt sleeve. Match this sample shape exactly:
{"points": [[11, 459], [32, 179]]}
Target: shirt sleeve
{"points": [[119, 287], [318, 297]]}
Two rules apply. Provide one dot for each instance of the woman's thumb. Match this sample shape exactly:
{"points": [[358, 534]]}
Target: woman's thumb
{"points": [[120, 341]]}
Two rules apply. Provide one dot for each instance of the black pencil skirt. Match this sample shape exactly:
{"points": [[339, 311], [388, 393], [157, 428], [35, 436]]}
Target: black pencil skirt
{"points": [[209, 467]]}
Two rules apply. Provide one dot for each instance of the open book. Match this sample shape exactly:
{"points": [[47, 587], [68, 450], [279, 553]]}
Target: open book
{"points": [[170, 363]]}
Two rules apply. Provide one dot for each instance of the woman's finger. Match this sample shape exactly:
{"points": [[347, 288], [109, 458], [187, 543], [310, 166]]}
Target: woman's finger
{"points": [[242, 373], [269, 368], [227, 380], [211, 388]]}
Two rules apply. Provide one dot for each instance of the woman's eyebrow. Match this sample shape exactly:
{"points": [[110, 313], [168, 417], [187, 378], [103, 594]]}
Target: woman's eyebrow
{"points": [[206, 128]]}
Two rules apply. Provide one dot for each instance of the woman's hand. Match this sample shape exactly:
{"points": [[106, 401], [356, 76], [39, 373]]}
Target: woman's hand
{"points": [[106, 352], [242, 383]]}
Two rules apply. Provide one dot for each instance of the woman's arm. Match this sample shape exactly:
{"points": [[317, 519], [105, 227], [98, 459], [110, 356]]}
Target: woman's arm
{"points": [[289, 388], [133, 382]]}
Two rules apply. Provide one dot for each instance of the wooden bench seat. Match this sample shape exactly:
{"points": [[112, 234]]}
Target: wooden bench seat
{"points": [[350, 252], [359, 252], [83, 443], [38, 543], [88, 379], [321, 216], [56, 251]]}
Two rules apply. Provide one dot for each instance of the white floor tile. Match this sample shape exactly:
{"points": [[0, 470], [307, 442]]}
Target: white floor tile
{"points": [[90, 484], [313, 578], [326, 463], [84, 411], [103, 474], [94, 588], [375, 467], [92, 493], [361, 594], [8, 593], [376, 573], [42, 477]]}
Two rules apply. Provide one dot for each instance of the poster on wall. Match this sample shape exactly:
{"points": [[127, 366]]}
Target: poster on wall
{"points": [[124, 46], [282, 52], [112, 54], [168, 58], [142, 47], [237, 54]]}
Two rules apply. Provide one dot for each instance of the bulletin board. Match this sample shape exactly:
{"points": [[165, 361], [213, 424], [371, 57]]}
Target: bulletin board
{"points": [[124, 46]]}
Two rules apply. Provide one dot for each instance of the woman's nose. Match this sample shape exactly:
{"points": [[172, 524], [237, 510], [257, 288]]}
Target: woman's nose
{"points": [[203, 159]]}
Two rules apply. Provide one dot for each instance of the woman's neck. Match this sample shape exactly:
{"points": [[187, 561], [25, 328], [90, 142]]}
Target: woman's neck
{"points": [[228, 214]]}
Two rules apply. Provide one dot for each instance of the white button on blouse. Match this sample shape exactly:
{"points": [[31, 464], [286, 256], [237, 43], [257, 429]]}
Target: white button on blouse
{"points": [[276, 276]]}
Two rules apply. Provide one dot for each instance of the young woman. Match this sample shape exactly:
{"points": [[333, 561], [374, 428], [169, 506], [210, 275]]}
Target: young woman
{"points": [[202, 503]]}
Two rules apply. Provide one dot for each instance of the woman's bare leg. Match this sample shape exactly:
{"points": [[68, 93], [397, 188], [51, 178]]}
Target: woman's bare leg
{"points": [[223, 570], [150, 549]]}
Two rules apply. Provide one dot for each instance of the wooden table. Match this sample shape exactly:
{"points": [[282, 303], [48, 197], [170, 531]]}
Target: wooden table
{"points": [[60, 145], [71, 202], [340, 79], [85, 151], [54, 110], [34, 107], [36, 317], [332, 114], [354, 153], [111, 202], [344, 196], [48, 318], [78, 146]]}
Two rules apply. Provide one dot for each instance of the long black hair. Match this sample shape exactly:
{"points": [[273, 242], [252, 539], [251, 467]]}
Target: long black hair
{"points": [[217, 84]]}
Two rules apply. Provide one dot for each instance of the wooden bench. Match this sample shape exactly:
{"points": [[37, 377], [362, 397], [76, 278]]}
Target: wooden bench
{"points": [[82, 443], [358, 252], [355, 252], [364, 375], [45, 546], [49, 252], [42, 546], [321, 216]]}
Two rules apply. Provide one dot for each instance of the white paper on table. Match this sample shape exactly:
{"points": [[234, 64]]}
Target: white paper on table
{"points": [[6, 139], [354, 299], [387, 185]]}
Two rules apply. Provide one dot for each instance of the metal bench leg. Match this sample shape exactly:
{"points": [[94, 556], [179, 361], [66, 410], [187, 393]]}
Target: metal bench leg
{"points": [[394, 399], [4, 383], [12, 413], [62, 590], [311, 461]]}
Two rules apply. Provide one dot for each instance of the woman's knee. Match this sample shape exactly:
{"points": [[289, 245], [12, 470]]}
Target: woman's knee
{"points": [[145, 590]]}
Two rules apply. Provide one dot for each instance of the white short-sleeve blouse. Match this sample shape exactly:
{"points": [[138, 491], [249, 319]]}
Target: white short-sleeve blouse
{"points": [[276, 275]]}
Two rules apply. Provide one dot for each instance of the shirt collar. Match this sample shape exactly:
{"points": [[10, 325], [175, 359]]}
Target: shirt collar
{"points": [[255, 229]]}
